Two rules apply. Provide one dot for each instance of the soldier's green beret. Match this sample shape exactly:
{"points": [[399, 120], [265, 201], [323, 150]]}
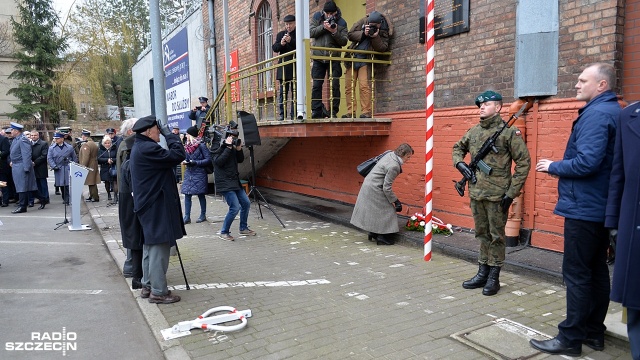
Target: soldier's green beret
{"points": [[488, 96]]}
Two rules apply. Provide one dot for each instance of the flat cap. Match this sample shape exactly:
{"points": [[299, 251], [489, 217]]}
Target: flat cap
{"points": [[144, 123], [16, 126], [289, 18], [488, 96]]}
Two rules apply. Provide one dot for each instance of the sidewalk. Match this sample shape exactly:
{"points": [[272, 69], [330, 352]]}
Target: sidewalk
{"points": [[319, 290]]}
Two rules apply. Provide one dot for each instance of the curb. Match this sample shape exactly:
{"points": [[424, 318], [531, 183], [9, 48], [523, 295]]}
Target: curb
{"points": [[171, 348]]}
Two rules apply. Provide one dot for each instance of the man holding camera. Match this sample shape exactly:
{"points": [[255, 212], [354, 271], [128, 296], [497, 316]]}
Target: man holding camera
{"points": [[370, 33], [199, 113], [328, 29], [286, 42], [227, 179], [491, 194]]}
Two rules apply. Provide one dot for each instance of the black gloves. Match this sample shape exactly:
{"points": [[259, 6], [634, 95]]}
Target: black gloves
{"points": [[466, 172], [190, 163], [505, 203], [398, 205], [164, 129]]}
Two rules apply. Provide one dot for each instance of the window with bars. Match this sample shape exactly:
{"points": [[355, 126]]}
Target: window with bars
{"points": [[264, 33]]}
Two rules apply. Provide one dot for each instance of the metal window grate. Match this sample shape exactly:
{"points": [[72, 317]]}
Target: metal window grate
{"points": [[265, 31]]}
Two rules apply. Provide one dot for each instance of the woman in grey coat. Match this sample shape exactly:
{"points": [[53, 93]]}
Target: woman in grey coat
{"points": [[376, 206]]}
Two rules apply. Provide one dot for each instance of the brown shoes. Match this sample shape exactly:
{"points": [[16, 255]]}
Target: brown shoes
{"points": [[163, 299], [145, 292]]}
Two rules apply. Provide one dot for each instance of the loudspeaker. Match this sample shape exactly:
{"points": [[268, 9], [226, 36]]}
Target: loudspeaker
{"points": [[251, 135]]}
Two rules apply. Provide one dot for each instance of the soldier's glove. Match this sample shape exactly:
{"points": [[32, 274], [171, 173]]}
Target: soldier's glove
{"points": [[398, 205], [611, 250], [505, 203], [465, 170], [164, 129]]}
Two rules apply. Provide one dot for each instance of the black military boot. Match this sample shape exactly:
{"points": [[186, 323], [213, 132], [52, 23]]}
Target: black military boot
{"points": [[493, 283], [479, 280]]}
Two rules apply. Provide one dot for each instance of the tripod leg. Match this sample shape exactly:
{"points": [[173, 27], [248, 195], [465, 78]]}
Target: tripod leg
{"points": [[182, 266], [266, 204], [256, 201]]}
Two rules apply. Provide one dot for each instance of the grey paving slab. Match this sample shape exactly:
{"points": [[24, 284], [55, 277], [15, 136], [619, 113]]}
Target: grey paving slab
{"points": [[320, 290]]}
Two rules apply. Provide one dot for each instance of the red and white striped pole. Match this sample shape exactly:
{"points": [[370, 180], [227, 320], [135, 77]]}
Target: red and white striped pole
{"points": [[428, 196]]}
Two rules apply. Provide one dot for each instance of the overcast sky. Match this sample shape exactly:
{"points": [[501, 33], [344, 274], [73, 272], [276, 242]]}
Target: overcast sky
{"points": [[63, 6]]}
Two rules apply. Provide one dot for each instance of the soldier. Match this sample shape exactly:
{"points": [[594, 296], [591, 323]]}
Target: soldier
{"points": [[492, 195], [88, 157], [58, 157], [21, 167]]}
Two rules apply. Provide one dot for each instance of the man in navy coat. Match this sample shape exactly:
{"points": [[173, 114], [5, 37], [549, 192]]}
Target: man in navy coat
{"points": [[582, 198], [623, 214], [156, 203]]}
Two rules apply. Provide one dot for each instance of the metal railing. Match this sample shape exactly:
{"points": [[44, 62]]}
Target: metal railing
{"points": [[247, 89]]}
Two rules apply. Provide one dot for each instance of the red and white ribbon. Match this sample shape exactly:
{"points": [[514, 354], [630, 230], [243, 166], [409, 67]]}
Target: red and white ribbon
{"points": [[428, 197]]}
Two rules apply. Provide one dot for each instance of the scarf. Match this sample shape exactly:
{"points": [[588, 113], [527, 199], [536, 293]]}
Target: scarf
{"points": [[191, 146]]}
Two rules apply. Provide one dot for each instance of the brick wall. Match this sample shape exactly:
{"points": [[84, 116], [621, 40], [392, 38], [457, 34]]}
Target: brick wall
{"points": [[631, 58], [325, 167]]}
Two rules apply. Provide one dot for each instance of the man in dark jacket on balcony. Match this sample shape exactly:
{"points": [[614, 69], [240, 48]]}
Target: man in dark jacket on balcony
{"points": [[286, 42], [328, 29], [371, 33], [582, 198]]}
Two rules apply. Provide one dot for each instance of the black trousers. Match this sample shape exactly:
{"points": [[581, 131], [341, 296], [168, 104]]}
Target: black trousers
{"points": [[586, 275], [136, 264], [318, 71]]}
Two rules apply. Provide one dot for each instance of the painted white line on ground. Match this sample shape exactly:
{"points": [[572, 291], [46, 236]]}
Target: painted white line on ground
{"points": [[18, 242], [30, 216], [50, 291], [251, 284]]}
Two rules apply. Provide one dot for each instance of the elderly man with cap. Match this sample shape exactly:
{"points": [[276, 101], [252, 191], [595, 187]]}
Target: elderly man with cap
{"points": [[5, 170], [21, 167], [371, 33], [199, 113], [286, 42], [156, 203], [88, 157], [59, 155], [329, 30], [492, 194]]}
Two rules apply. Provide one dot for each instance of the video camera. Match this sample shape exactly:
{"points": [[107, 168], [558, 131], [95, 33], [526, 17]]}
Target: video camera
{"points": [[219, 134]]}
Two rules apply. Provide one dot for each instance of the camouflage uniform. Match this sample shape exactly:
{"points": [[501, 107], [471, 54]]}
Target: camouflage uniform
{"points": [[488, 191]]}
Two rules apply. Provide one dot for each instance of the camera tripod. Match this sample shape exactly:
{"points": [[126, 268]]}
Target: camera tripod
{"points": [[257, 196]]}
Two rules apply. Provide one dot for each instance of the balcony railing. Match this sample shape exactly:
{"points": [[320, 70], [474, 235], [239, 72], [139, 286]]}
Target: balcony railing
{"points": [[254, 88]]}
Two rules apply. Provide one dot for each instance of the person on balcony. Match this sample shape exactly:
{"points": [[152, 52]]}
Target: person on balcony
{"points": [[328, 29], [286, 42], [199, 113], [370, 33]]}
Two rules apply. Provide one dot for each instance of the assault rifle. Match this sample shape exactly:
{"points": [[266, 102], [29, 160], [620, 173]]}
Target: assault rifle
{"points": [[477, 163]]}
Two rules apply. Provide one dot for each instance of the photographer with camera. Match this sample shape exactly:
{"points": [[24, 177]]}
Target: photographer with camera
{"points": [[199, 113], [328, 29], [286, 42], [227, 178], [370, 33], [58, 157]]}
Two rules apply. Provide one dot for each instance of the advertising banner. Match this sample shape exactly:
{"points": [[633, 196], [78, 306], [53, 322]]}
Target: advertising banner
{"points": [[176, 69]]}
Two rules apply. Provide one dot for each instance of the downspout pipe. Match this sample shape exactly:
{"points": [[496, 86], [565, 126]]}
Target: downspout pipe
{"points": [[212, 51], [159, 89], [302, 31]]}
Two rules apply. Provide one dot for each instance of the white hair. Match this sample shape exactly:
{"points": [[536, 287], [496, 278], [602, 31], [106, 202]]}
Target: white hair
{"points": [[106, 138], [127, 125]]}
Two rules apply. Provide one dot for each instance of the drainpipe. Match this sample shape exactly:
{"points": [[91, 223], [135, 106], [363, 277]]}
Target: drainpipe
{"points": [[514, 220], [302, 33], [212, 51]]}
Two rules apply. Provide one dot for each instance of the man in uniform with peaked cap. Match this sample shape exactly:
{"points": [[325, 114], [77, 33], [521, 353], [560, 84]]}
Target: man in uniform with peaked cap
{"points": [[88, 157], [156, 203], [21, 167]]}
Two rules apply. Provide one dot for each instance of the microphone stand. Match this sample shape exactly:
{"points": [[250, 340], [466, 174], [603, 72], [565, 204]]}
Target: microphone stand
{"points": [[65, 190]]}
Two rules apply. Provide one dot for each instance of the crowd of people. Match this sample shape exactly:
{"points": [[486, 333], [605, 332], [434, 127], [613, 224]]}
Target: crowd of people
{"points": [[328, 29]]}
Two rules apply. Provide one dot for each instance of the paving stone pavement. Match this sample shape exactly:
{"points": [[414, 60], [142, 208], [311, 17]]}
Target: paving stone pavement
{"points": [[318, 290]]}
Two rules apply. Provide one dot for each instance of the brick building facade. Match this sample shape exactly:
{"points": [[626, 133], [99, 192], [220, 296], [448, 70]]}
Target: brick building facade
{"points": [[466, 64]]}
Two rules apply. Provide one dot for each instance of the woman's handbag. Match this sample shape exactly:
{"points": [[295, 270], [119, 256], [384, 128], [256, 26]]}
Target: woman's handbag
{"points": [[365, 168], [113, 172]]}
